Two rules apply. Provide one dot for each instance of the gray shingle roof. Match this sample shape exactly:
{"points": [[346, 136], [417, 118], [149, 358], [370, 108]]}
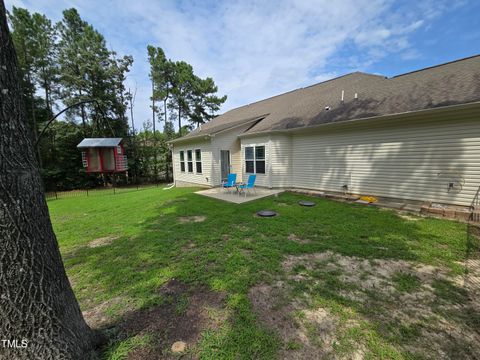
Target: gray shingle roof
{"points": [[452, 83], [99, 142]]}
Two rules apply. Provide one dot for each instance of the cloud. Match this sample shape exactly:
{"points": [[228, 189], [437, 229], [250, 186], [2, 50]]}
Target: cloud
{"points": [[253, 50]]}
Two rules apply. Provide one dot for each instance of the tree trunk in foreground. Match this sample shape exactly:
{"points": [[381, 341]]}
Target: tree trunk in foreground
{"points": [[39, 315]]}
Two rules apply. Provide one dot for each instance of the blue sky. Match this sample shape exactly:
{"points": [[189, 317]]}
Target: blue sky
{"points": [[254, 50]]}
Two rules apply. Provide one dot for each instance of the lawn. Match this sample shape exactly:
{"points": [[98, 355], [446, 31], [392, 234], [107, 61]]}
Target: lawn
{"points": [[337, 280]]}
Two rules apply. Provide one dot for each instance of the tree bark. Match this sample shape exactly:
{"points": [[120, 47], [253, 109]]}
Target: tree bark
{"points": [[165, 113], [179, 118], [37, 304]]}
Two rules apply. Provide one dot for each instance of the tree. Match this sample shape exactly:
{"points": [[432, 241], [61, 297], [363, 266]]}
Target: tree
{"points": [[161, 75], [24, 39], [119, 94], [182, 90], [45, 59], [37, 302], [88, 70], [73, 77], [204, 101]]}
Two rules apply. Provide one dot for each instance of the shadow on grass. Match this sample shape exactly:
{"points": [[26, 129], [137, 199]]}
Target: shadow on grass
{"points": [[231, 250]]}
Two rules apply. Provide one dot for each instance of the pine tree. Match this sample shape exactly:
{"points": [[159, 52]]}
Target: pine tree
{"points": [[204, 101]]}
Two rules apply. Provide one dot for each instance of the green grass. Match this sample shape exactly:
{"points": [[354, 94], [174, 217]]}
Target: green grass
{"points": [[151, 246], [121, 349], [405, 282]]}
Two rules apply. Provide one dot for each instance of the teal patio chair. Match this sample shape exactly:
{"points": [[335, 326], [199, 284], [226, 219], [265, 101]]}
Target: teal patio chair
{"points": [[230, 183], [250, 185]]}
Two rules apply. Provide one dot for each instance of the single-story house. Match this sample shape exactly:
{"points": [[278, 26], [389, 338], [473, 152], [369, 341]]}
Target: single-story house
{"points": [[413, 136]]}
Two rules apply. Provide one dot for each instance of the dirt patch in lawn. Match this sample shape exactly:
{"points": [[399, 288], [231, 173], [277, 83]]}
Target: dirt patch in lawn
{"points": [[185, 313], [324, 298], [306, 333], [174, 201], [192, 219], [97, 317], [293, 237], [103, 241]]}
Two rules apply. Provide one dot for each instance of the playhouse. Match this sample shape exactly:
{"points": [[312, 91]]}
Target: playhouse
{"points": [[103, 155]]}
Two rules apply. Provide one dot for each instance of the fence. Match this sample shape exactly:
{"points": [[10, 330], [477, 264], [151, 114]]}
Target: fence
{"points": [[113, 190]]}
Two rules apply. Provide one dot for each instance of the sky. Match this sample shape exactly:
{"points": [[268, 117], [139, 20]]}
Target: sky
{"points": [[254, 50]]}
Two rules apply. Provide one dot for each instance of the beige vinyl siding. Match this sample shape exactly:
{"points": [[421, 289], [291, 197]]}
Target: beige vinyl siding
{"points": [[262, 179], [280, 160], [410, 159], [236, 160], [227, 140], [202, 179]]}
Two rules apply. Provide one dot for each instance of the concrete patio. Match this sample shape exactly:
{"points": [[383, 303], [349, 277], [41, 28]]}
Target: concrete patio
{"points": [[234, 197]]}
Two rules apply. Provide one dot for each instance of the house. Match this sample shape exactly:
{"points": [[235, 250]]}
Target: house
{"points": [[103, 155], [413, 136]]}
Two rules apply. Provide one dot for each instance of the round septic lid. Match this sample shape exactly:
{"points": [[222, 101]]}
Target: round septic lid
{"points": [[306, 203], [266, 213]]}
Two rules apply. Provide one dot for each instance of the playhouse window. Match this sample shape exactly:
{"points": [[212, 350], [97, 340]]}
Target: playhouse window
{"points": [[255, 159], [119, 150], [198, 161], [190, 161], [182, 161]]}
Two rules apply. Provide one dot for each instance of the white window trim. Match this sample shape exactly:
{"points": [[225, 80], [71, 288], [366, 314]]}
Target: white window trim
{"points": [[190, 161], [198, 161], [182, 161], [254, 146]]}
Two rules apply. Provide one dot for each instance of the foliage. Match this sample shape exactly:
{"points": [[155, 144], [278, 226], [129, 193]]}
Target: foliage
{"points": [[88, 70], [186, 95], [64, 63], [69, 62]]}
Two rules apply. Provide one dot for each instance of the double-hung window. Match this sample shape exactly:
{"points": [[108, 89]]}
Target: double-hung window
{"points": [[255, 159], [190, 161], [182, 161], [198, 161]]}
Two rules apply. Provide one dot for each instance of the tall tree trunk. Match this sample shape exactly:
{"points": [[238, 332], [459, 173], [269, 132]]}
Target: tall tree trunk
{"points": [[37, 303], [84, 116], [154, 133], [179, 118], [131, 116], [46, 87], [165, 113]]}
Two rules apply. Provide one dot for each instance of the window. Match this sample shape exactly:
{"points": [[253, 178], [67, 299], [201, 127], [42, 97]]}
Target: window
{"points": [[182, 161], [198, 161], [260, 159], [190, 161], [255, 159], [119, 150]]}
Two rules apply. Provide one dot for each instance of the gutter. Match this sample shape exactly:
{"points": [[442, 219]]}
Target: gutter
{"points": [[183, 138], [388, 116], [212, 135]]}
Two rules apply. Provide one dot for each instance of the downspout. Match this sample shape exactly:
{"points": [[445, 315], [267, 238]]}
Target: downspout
{"points": [[290, 167], [270, 161], [172, 148], [212, 170]]}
